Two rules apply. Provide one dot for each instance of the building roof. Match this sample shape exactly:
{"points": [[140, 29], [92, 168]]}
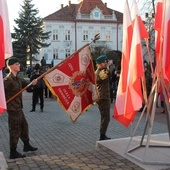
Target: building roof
{"points": [[69, 12]]}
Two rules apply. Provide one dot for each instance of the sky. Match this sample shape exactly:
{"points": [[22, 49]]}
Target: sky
{"points": [[47, 7]]}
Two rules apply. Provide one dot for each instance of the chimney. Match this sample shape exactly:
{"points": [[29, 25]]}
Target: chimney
{"points": [[69, 3], [105, 4], [61, 6]]}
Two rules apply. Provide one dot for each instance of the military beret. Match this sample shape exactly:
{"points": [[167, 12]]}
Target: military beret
{"points": [[12, 61], [101, 59]]}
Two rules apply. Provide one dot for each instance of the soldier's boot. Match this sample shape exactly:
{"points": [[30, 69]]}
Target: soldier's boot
{"points": [[104, 137], [28, 147], [14, 154], [32, 110]]}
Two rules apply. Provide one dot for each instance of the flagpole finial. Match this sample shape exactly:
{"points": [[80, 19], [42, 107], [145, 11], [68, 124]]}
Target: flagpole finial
{"points": [[96, 37]]}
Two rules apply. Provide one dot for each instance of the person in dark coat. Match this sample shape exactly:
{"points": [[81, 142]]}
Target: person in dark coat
{"points": [[18, 126], [38, 89]]}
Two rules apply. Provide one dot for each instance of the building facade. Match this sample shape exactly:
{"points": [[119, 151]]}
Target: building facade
{"points": [[75, 25]]}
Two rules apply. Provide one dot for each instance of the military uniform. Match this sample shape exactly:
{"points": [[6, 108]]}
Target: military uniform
{"points": [[103, 86], [18, 126]]}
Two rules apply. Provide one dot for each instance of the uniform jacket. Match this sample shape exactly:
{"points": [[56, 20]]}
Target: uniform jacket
{"points": [[12, 86], [103, 86]]}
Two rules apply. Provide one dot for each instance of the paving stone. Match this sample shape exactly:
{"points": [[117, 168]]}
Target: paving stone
{"points": [[63, 145]]}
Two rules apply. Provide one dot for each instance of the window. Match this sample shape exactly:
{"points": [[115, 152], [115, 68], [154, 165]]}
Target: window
{"points": [[67, 52], [96, 32], [55, 53], [107, 35], [67, 35], [55, 35], [85, 35]]}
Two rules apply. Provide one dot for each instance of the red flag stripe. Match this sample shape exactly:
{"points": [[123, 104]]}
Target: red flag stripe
{"points": [[2, 98], [2, 48], [5, 47], [166, 40]]}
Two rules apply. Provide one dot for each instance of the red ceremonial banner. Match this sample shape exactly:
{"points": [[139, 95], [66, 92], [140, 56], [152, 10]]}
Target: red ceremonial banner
{"points": [[73, 82]]}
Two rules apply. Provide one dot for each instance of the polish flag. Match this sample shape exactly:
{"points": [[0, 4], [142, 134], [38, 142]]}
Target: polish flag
{"points": [[5, 48], [129, 96], [134, 96], [122, 86], [135, 13], [166, 40], [157, 25]]}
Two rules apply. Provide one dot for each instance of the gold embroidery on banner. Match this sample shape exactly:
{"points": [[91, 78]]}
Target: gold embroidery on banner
{"points": [[79, 83]]}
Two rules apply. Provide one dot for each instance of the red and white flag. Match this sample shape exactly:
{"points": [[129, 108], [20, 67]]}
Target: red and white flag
{"points": [[134, 96], [135, 13], [5, 48], [165, 33], [73, 82], [157, 27], [129, 95], [5, 34], [122, 86]]}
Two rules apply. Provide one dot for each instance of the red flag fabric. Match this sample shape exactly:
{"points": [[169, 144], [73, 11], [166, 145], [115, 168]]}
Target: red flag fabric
{"points": [[122, 86], [166, 40], [162, 37], [2, 98], [157, 27], [135, 13], [5, 48], [5, 35], [134, 97], [73, 82], [129, 98]]}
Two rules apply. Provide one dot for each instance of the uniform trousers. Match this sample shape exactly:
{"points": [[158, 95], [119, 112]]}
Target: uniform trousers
{"points": [[18, 127], [104, 107]]}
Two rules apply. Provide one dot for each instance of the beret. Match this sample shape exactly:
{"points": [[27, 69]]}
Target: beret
{"points": [[101, 59], [12, 61]]}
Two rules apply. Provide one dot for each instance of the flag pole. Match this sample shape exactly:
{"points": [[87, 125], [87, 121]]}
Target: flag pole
{"points": [[96, 37]]}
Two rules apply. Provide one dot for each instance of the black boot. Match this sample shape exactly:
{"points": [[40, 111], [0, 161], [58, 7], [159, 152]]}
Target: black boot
{"points": [[14, 154], [28, 147], [104, 137]]}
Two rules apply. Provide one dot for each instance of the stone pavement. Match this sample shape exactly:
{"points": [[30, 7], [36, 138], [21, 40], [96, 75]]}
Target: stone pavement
{"points": [[65, 145]]}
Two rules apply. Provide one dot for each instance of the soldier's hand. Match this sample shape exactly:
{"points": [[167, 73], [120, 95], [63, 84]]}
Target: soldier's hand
{"points": [[103, 74], [34, 82]]}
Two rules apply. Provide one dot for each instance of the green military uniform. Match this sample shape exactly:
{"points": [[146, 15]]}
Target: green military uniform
{"points": [[103, 86], [18, 126]]}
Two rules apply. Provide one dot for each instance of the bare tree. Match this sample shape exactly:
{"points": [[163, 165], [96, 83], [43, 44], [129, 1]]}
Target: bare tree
{"points": [[147, 11]]}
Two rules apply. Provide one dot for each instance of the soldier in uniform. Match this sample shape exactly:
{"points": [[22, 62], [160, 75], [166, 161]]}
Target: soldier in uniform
{"points": [[102, 82], [18, 126]]}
